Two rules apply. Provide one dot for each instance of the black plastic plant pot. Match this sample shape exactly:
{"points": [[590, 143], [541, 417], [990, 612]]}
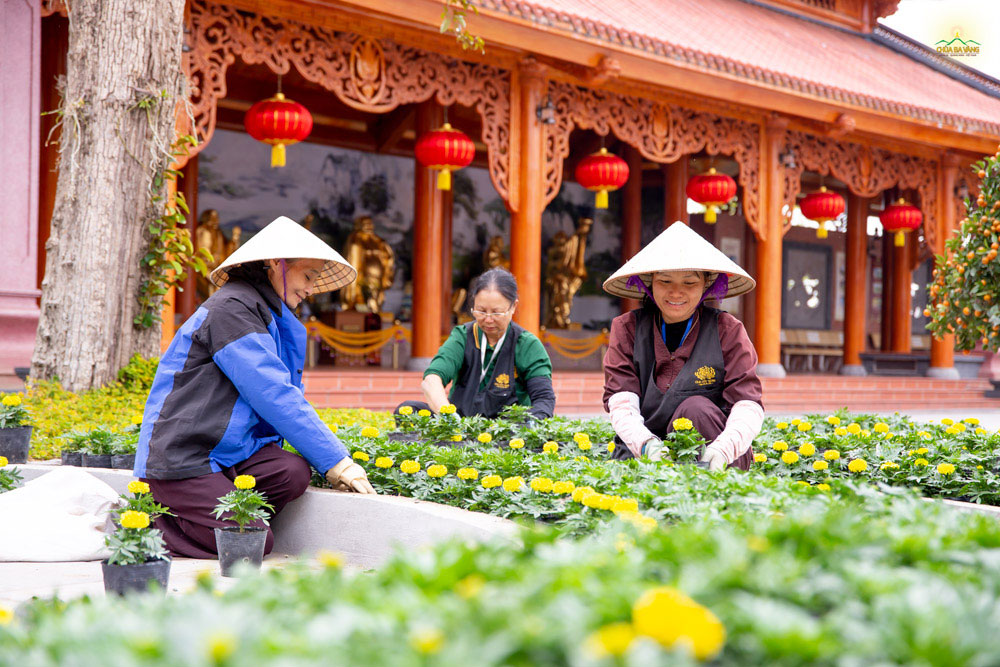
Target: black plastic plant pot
{"points": [[96, 460], [238, 549], [122, 579], [453, 444], [123, 461], [402, 436], [14, 443], [71, 458]]}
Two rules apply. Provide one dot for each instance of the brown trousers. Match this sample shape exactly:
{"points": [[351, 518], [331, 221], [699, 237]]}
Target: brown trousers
{"points": [[281, 476]]}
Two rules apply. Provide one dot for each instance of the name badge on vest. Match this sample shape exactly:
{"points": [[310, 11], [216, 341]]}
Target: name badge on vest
{"points": [[704, 376]]}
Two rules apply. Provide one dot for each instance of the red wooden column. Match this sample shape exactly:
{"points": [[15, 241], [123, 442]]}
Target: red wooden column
{"points": [[901, 300], [769, 237], [943, 349], [675, 178], [447, 203], [856, 304], [526, 222], [632, 215], [428, 227]]}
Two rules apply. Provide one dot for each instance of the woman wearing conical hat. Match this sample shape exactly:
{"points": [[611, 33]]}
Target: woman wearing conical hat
{"points": [[228, 391], [676, 357]]}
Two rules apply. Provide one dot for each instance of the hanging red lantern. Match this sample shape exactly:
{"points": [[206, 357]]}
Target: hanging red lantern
{"points": [[602, 172], [822, 206], [445, 149], [711, 189], [901, 218], [278, 121]]}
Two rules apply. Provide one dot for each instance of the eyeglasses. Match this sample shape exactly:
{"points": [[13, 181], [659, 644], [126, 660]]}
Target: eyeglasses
{"points": [[481, 314]]}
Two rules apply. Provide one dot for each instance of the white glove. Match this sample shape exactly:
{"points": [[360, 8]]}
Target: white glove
{"points": [[627, 421], [349, 476], [653, 449], [716, 460], [743, 425]]}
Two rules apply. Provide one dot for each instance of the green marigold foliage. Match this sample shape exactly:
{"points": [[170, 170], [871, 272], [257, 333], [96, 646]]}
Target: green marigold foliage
{"points": [[964, 292]]}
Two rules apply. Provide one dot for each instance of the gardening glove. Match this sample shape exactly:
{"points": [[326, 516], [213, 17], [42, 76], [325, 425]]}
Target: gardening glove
{"points": [[743, 425], [715, 459], [653, 449], [349, 476]]}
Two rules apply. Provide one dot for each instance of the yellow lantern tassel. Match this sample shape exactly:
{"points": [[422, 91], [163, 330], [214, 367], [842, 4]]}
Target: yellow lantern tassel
{"points": [[444, 179], [601, 200], [278, 155], [710, 215], [899, 240], [821, 231]]}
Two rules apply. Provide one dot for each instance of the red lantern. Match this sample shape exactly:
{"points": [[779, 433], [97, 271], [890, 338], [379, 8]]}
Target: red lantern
{"points": [[711, 189], [445, 149], [602, 172], [901, 218], [278, 121], [822, 206]]}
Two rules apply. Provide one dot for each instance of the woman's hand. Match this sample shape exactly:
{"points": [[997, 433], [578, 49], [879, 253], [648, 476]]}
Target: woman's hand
{"points": [[434, 392], [349, 476]]}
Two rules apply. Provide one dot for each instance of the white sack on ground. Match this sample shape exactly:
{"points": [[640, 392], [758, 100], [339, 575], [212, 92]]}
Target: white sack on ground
{"points": [[60, 516]]}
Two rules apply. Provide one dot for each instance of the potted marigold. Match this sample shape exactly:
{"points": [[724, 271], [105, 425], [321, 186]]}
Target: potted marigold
{"points": [[10, 478], [241, 544], [138, 554], [15, 432]]}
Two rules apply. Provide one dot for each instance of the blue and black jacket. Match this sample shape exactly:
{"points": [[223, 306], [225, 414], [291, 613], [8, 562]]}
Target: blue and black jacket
{"points": [[230, 383]]}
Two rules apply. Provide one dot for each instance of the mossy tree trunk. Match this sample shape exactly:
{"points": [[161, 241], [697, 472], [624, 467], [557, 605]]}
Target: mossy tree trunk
{"points": [[118, 116]]}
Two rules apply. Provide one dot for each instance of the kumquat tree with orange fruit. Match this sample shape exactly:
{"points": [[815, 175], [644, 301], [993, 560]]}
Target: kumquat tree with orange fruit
{"points": [[964, 293]]}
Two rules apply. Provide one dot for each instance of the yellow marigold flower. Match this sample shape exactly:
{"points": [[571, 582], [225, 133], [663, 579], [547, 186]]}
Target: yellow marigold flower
{"points": [[406, 410], [881, 427], [467, 473], [671, 617], [137, 420], [470, 586], [971, 421], [980, 430], [331, 560], [802, 483], [484, 438], [796, 421], [779, 446], [11, 400], [959, 427], [133, 519], [781, 426], [3, 461], [550, 447], [807, 449], [581, 437], [437, 470], [833, 420], [947, 422], [979, 467], [244, 482], [865, 432], [516, 443], [611, 640], [611, 445], [427, 641], [563, 487], [423, 412], [513, 484], [491, 481], [889, 465], [924, 434], [409, 466], [854, 429], [831, 455], [922, 451], [760, 457], [789, 458], [221, 645], [625, 505], [823, 486], [448, 409], [383, 462], [360, 456], [820, 465], [592, 500], [456, 437], [804, 426], [585, 446], [945, 468], [951, 430], [840, 430], [334, 428], [921, 462], [683, 424], [542, 485], [369, 432], [858, 465], [135, 486], [580, 492], [6, 615]]}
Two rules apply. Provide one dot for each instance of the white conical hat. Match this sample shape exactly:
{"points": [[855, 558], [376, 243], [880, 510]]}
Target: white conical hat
{"points": [[677, 248], [286, 239]]}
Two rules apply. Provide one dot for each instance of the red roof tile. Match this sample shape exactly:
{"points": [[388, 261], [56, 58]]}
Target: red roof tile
{"points": [[774, 48]]}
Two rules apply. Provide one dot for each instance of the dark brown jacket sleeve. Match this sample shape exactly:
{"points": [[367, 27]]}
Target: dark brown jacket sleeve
{"points": [[741, 382]]}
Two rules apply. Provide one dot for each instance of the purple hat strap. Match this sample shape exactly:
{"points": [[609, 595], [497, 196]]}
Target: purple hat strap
{"points": [[639, 284]]}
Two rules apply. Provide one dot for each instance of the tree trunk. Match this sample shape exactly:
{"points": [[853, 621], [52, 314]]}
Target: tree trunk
{"points": [[123, 83]]}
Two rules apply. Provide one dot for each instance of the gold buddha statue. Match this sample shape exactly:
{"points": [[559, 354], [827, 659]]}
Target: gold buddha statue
{"points": [[376, 265], [565, 272]]}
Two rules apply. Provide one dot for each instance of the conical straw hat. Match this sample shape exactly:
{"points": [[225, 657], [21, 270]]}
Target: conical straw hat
{"points": [[286, 239], [677, 248]]}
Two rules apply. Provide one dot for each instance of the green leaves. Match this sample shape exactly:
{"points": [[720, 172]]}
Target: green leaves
{"points": [[244, 506]]}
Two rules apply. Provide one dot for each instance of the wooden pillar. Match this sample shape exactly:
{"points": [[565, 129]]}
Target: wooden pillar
{"points": [[769, 238], [447, 203], [885, 315], [675, 178], [901, 302], [55, 37], [943, 349], [632, 215], [187, 299], [856, 303], [526, 221], [428, 210]]}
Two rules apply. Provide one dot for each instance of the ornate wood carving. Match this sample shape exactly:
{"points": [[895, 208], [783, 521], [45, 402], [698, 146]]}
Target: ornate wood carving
{"points": [[50, 7], [375, 75], [662, 133], [866, 171]]}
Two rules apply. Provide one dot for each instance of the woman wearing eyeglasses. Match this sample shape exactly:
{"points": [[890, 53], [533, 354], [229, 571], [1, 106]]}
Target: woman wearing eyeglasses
{"points": [[490, 362]]}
